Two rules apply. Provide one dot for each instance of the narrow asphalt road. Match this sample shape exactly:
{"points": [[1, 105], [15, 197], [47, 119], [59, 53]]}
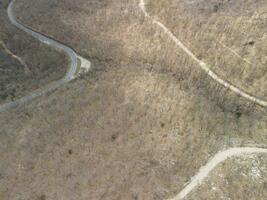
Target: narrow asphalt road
{"points": [[54, 44]]}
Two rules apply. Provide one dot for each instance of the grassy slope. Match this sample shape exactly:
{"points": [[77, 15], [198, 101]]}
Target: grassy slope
{"points": [[138, 127], [44, 64]]}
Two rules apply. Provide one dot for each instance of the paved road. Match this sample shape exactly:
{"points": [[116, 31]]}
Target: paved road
{"points": [[56, 45], [215, 161], [202, 64]]}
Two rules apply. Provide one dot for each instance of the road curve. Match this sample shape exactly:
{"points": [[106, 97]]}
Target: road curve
{"points": [[216, 160], [202, 64], [54, 44]]}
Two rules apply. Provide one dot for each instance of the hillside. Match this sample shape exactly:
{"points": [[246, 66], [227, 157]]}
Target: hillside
{"points": [[141, 123]]}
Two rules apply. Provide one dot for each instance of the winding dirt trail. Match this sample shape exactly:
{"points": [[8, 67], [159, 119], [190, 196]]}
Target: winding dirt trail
{"points": [[14, 56], [202, 64], [215, 161]]}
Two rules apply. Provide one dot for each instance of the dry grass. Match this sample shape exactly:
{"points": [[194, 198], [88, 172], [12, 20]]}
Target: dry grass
{"points": [[138, 126]]}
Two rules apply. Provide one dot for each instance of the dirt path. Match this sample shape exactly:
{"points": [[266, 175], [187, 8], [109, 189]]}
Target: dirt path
{"points": [[14, 56], [216, 160], [202, 64]]}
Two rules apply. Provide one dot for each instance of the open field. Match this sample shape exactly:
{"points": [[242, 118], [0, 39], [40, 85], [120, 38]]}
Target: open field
{"points": [[25, 63], [138, 126]]}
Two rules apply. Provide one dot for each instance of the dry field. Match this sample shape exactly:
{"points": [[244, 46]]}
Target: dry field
{"points": [[138, 126]]}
